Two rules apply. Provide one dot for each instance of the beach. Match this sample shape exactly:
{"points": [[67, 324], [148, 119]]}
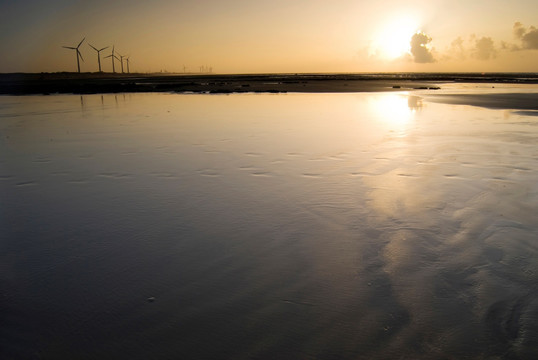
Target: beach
{"points": [[255, 218], [105, 83], [96, 83]]}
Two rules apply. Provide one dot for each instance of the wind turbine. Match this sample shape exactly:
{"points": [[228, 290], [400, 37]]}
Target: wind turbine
{"points": [[79, 55], [112, 56], [98, 54], [127, 60], [121, 60]]}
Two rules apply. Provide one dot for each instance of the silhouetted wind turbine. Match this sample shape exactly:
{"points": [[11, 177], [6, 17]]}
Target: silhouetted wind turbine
{"points": [[79, 55], [112, 56], [127, 60], [98, 54], [121, 61]]}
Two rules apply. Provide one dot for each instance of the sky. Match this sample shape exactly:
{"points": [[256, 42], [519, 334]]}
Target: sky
{"points": [[272, 36]]}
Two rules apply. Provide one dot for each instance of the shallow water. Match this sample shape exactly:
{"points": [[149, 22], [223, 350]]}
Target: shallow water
{"points": [[298, 226]]}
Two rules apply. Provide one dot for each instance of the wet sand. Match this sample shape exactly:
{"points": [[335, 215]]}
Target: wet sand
{"points": [[517, 101], [259, 226]]}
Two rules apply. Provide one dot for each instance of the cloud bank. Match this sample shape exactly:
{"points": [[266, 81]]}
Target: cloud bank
{"points": [[468, 52], [480, 48]]}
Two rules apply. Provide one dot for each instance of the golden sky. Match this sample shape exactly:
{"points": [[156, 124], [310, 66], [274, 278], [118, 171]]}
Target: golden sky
{"points": [[262, 36]]}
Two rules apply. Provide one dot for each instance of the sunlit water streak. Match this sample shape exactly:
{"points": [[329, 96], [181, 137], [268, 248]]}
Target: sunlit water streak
{"points": [[266, 226]]}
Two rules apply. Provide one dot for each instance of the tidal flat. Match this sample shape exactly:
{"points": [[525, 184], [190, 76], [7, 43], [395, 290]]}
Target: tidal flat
{"points": [[386, 225]]}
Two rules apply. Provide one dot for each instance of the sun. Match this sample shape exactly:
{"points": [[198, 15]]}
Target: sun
{"points": [[393, 38]]}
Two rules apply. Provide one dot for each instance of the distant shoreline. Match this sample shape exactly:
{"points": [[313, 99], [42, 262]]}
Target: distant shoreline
{"points": [[97, 83]]}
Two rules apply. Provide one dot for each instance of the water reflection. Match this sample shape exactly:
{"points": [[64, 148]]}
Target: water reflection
{"points": [[446, 199], [414, 102], [395, 109], [298, 221], [87, 101]]}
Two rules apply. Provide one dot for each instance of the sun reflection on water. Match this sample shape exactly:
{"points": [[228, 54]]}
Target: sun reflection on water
{"points": [[393, 189], [395, 110]]}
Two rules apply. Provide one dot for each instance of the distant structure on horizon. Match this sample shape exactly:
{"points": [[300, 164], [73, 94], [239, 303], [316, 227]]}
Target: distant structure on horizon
{"points": [[206, 69], [127, 60], [78, 54], [121, 61], [112, 56], [98, 55]]}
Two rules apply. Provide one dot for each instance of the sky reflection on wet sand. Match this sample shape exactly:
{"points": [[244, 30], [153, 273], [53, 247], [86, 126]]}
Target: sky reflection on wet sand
{"points": [[267, 226]]}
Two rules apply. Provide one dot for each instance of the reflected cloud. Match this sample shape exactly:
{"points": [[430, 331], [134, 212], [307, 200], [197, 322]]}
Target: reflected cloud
{"points": [[400, 192], [414, 102]]}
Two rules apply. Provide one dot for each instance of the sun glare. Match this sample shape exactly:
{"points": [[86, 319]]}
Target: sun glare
{"points": [[395, 110], [393, 39]]}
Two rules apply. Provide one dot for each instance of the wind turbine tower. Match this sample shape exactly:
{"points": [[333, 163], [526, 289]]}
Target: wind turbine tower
{"points": [[98, 54], [121, 61], [112, 56], [127, 61], [79, 55]]}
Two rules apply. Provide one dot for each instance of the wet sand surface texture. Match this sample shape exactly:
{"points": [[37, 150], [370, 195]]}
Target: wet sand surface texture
{"points": [[269, 226]]}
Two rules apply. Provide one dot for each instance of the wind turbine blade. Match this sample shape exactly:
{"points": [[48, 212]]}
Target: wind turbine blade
{"points": [[69, 47], [81, 42], [104, 48], [107, 56], [79, 54], [93, 47]]}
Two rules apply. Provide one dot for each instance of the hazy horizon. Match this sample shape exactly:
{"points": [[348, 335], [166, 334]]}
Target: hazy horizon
{"points": [[272, 37], [336, 73]]}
